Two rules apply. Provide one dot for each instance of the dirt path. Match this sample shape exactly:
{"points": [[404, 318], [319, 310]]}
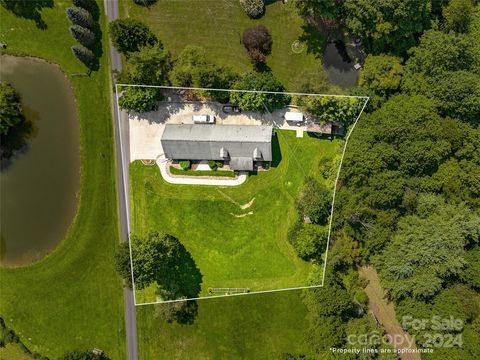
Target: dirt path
{"points": [[385, 313]]}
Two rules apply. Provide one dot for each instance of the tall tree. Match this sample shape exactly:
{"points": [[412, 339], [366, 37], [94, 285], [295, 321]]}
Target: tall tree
{"points": [[162, 259], [148, 66], [263, 81], [458, 15], [129, 35], [382, 75], [10, 108], [80, 16]]}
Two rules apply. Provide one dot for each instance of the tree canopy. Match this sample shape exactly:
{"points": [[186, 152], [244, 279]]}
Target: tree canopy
{"points": [[148, 66], [129, 35], [11, 113], [427, 248], [161, 259], [259, 81], [388, 25], [381, 74], [139, 99], [458, 15]]}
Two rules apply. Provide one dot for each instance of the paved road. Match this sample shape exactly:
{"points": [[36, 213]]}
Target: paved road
{"points": [[112, 12]]}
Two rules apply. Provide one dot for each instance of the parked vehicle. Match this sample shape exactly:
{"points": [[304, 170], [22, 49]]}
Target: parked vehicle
{"points": [[230, 108], [203, 119]]}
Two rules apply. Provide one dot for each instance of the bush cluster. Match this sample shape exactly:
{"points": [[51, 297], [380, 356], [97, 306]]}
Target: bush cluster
{"points": [[253, 8], [215, 164], [84, 26]]}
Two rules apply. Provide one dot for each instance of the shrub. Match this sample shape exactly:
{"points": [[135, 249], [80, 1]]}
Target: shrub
{"points": [[84, 55], [139, 99], [83, 35], [185, 164], [258, 42], [314, 201], [80, 16], [253, 8], [212, 164], [144, 2]]}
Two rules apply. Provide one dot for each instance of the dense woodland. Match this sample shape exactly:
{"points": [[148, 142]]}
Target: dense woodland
{"points": [[408, 196]]}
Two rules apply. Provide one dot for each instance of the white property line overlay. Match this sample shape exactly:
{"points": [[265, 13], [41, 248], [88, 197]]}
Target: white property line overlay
{"points": [[125, 191], [366, 98]]}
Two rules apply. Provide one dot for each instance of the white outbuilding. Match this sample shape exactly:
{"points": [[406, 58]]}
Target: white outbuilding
{"points": [[294, 116]]}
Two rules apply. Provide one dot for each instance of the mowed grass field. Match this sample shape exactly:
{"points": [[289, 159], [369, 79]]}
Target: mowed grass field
{"points": [[218, 26], [258, 326], [234, 247], [72, 299]]}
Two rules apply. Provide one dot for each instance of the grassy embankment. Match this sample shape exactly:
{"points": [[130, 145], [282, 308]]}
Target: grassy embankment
{"points": [[218, 26], [231, 246], [72, 298]]}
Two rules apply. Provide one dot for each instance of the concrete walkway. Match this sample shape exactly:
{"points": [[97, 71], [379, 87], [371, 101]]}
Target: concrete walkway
{"points": [[163, 165]]}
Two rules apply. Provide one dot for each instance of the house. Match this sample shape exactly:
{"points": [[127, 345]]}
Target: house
{"points": [[240, 146]]}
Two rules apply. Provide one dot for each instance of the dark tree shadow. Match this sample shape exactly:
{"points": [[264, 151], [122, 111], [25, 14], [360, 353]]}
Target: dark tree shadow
{"points": [[97, 48], [28, 9], [182, 312], [313, 40], [188, 275], [261, 66], [183, 278], [276, 152]]}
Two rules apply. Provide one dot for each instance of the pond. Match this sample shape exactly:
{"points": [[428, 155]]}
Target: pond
{"points": [[40, 183], [338, 65]]}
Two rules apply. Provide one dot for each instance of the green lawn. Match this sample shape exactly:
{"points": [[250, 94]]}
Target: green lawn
{"points": [[72, 298], [218, 27], [232, 251], [259, 326]]}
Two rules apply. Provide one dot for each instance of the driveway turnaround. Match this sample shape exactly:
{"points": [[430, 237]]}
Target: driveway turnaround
{"points": [[163, 165]]}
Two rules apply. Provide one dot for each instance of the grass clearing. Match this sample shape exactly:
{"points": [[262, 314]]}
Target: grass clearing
{"points": [[72, 298], [259, 326], [231, 246], [218, 26]]}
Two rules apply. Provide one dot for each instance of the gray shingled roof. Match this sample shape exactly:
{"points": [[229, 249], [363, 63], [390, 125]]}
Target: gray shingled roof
{"points": [[205, 142]]}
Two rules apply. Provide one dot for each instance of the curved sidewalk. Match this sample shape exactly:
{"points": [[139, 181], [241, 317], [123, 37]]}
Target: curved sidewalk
{"points": [[162, 164]]}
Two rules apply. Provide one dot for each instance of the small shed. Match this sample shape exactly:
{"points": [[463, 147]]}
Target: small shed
{"points": [[328, 128], [293, 116]]}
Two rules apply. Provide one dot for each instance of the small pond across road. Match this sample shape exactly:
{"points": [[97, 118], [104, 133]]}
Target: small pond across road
{"points": [[39, 185]]}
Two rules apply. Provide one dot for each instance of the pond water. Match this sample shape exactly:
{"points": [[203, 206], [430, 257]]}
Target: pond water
{"points": [[339, 66], [39, 185]]}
